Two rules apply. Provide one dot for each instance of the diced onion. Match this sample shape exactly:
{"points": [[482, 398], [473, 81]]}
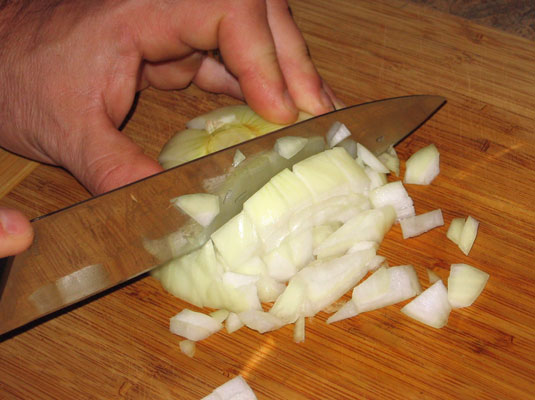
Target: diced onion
{"points": [[465, 284], [193, 325], [414, 226], [233, 323], [235, 389], [390, 160], [468, 234], [370, 160], [423, 166], [219, 315], [455, 229], [432, 277], [336, 133], [202, 207], [187, 347], [431, 307], [238, 158], [396, 195], [289, 146], [299, 330]]}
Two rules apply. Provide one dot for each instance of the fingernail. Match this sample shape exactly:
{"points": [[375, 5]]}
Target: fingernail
{"points": [[326, 100], [12, 222], [288, 102]]}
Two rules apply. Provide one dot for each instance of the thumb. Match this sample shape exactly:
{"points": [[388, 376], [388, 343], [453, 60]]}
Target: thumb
{"points": [[108, 159], [16, 233]]}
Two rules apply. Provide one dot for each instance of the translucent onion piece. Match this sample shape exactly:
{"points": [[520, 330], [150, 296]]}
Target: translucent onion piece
{"points": [[336, 133], [219, 315], [414, 226], [233, 323], [423, 166], [193, 325], [202, 207], [299, 330], [370, 160], [390, 159], [396, 195], [185, 146], [376, 178], [289, 146], [468, 235], [465, 284], [348, 310], [350, 146], [187, 347], [238, 158], [235, 389], [260, 321], [455, 229], [431, 307]]}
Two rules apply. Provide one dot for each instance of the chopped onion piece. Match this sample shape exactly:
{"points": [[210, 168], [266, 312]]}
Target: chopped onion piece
{"points": [[370, 160], [269, 289], [455, 229], [390, 159], [238, 158], [202, 207], [350, 146], [187, 347], [385, 287], [348, 310], [299, 330], [423, 166], [219, 315], [432, 277], [465, 284], [376, 178], [468, 235], [233, 322], [260, 321], [289, 146], [193, 325], [431, 307], [414, 226], [336, 133], [396, 195], [235, 389]]}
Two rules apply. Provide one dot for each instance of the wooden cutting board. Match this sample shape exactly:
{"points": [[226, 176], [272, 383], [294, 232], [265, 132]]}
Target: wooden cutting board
{"points": [[118, 345]]}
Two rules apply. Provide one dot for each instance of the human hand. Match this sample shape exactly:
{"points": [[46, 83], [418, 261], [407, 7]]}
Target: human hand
{"points": [[16, 233], [70, 71]]}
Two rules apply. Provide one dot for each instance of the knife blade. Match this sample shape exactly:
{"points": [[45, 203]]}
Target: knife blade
{"points": [[97, 244]]}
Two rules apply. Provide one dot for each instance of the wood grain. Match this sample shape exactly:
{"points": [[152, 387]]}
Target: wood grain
{"points": [[118, 346]]}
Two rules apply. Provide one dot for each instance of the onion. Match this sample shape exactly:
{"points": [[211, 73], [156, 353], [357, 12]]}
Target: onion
{"points": [[202, 207], [370, 160], [423, 166], [465, 284], [187, 347], [432, 277], [393, 194], [350, 146], [289, 146], [468, 235], [390, 160], [193, 325], [455, 229], [220, 315], [431, 307], [414, 226], [299, 330], [235, 389], [238, 158], [260, 321], [233, 323], [336, 133]]}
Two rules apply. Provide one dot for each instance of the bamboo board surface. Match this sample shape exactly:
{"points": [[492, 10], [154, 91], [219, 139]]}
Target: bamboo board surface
{"points": [[118, 346]]}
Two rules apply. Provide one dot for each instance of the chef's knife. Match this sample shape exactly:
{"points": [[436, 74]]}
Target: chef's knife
{"points": [[99, 243]]}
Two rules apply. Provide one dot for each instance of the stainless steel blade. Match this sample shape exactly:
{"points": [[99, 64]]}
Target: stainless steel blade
{"points": [[97, 244]]}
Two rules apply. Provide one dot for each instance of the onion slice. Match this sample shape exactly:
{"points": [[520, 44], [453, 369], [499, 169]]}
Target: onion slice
{"points": [[289, 146], [202, 207], [423, 166], [193, 325], [431, 307], [187, 347], [337, 133], [465, 284], [455, 229], [468, 235], [370, 160], [414, 226], [235, 389]]}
